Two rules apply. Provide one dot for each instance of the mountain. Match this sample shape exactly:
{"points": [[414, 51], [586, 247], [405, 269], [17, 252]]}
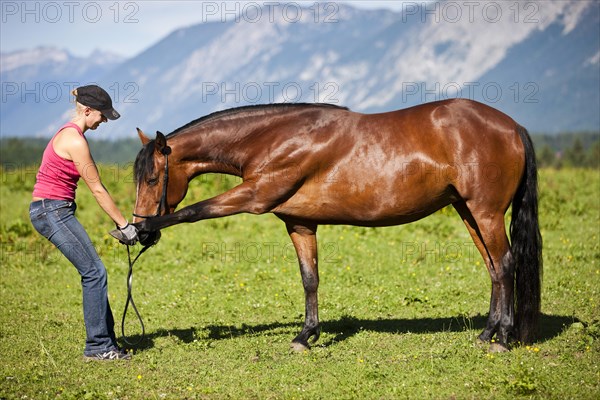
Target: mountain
{"points": [[558, 75], [537, 61], [36, 86]]}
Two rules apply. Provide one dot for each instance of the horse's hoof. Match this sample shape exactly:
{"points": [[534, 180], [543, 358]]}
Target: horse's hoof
{"points": [[149, 238], [497, 348], [298, 347]]}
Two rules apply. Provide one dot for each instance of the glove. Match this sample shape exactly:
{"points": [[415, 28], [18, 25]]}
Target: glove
{"points": [[127, 235]]}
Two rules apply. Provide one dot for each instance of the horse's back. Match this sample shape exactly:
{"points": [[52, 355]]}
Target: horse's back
{"points": [[442, 125], [458, 142]]}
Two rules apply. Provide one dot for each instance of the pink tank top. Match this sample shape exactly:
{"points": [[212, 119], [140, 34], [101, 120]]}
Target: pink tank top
{"points": [[57, 177]]}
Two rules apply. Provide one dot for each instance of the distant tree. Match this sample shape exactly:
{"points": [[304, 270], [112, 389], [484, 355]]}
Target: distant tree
{"points": [[575, 155], [593, 156], [546, 157]]}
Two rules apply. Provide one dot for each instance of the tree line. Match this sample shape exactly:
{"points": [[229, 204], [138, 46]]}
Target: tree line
{"points": [[25, 152], [568, 150]]}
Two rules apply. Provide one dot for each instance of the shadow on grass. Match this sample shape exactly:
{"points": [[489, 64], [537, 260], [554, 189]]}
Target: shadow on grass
{"points": [[346, 327]]}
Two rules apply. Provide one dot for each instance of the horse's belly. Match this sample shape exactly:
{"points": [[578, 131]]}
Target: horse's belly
{"points": [[375, 202]]}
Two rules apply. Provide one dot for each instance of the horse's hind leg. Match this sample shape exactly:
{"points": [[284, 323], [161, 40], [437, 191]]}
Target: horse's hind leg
{"points": [[489, 234], [304, 239]]}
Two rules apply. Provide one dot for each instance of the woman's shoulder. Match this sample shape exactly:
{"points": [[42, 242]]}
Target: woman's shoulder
{"points": [[69, 140]]}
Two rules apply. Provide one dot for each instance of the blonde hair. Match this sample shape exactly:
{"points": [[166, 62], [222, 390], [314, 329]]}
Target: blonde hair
{"points": [[79, 108]]}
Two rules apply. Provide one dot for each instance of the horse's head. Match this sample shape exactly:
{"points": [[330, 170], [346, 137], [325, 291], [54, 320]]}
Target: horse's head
{"points": [[161, 184]]}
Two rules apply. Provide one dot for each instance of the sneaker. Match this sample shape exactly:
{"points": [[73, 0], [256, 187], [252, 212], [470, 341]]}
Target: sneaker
{"points": [[108, 356]]}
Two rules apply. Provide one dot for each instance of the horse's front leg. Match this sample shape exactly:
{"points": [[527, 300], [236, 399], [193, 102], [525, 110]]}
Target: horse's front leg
{"points": [[242, 198], [304, 239]]}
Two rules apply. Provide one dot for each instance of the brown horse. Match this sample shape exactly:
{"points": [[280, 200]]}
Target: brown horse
{"points": [[312, 164]]}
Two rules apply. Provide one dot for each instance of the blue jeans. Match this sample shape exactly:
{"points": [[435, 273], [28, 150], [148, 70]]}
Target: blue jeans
{"points": [[55, 220]]}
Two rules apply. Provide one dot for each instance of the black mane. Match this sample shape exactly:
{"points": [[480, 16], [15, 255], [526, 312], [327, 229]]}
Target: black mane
{"points": [[144, 162]]}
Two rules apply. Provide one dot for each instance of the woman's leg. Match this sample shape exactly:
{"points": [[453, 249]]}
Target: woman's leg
{"points": [[55, 220]]}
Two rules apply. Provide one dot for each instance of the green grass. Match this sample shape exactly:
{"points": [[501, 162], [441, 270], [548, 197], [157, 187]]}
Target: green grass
{"points": [[400, 307]]}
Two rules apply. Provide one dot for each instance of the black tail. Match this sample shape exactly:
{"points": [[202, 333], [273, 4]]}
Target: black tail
{"points": [[526, 247]]}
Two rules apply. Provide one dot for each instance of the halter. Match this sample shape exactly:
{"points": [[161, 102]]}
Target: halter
{"points": [[163, 198]]}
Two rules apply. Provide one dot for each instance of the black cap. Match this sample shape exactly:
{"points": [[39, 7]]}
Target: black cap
{"points": [[95, 97]]}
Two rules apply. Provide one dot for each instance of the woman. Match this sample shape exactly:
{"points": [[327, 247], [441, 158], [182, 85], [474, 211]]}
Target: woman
{"points": [[52, 211]]}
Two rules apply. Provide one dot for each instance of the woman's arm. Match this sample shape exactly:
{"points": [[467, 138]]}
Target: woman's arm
{"points": [[79, 152]]}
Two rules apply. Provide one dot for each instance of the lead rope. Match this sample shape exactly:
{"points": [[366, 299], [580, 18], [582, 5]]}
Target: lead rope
{"points": [[130, 299]]}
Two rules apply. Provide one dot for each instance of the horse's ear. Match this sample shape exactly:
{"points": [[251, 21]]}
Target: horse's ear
{"points": [[160, 144], [145, 139]]}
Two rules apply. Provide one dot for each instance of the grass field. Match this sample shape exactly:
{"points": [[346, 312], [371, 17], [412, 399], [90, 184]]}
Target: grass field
{"points": [[400, 307]]}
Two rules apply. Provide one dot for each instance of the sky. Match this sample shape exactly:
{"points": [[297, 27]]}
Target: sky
{"points": [[127, 27]]}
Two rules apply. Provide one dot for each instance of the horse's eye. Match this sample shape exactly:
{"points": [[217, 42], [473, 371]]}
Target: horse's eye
{"points": [[152, 181]]}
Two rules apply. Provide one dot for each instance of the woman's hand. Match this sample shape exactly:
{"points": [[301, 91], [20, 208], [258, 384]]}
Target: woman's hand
{"points": [[130, 234], [126, 235]]}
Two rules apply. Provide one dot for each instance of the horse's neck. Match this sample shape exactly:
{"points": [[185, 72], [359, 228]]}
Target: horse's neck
{"points": [[221, 145], [210, 151]]}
